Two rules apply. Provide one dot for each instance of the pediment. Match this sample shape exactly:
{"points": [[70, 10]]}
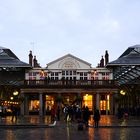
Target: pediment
{"points": [[68, 62]]}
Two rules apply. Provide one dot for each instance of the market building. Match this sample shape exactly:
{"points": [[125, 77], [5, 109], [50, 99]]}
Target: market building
{"points": [[68, 81], [12, 75], [126, 70]]}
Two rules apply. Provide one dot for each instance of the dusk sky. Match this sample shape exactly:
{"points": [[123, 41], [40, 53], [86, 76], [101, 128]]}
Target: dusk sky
{"points": [[83, 28]]}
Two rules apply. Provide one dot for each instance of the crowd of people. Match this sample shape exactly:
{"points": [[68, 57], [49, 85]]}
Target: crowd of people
{"points": [[12, 110], [75, 113]]}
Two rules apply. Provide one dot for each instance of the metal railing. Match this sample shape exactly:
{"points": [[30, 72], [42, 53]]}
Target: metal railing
{"points": [[70, 83]]}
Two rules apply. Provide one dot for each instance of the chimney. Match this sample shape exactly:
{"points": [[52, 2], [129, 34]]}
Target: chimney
{"points": [[106, 57], [30, 58], [102, 62], [35, 61]]}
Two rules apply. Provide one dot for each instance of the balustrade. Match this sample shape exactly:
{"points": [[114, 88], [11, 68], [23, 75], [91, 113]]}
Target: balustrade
{"points": [[70, 82]]}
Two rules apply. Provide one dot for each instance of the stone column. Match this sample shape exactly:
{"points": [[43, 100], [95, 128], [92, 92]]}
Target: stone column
{"points": [[22, 105], [107, 104], [93, 103], [111, 105], [98, 101], [26, 105], [40, 104], [79, 95]]}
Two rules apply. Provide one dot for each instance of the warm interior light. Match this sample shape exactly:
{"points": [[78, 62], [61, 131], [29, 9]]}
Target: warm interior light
{"points": [[11, 98], [87, 101], [122, 92], [15, 93]]}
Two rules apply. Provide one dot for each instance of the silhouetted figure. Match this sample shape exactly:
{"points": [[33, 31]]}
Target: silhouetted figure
{"points": [[15, 112], [96, 118], [78, 113], [58, 113], [86, 115], [53, 114]]}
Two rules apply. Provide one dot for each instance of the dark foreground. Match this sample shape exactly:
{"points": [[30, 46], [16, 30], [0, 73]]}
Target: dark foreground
{"points": [[70, 133], [110, 129]]}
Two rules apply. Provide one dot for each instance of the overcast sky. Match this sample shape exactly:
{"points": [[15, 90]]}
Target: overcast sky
{"points": [[83, 28]]}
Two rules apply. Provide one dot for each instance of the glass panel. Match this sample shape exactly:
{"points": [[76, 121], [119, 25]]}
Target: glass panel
{"points": [[74, 72], [85, 73], [103, 105], [52, 74], [87, 101], [67, 73], [49, 103], [63, 72], [81, 74], [56, 74], [34, 105]]}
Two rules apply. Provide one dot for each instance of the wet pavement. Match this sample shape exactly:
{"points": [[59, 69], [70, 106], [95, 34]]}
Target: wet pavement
{"points": [[110, 129], [105, 121]]}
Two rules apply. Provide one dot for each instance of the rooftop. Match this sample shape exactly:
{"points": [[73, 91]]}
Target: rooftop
{"points": [[130, 57], [9, 59]]}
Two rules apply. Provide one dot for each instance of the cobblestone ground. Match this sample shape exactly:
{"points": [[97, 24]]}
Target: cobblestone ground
{"points": [[70, 133]]}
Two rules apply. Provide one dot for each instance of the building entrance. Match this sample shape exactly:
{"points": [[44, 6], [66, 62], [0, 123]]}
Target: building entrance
{"points": [[34, 103]]}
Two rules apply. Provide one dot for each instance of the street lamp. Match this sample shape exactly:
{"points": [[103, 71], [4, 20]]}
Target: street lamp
{"points": [[122, 92]]}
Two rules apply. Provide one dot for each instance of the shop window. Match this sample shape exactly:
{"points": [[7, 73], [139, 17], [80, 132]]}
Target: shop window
{"points": [[49, 103], [105, 102], [34, 105], [103, 105], [87, 101]]}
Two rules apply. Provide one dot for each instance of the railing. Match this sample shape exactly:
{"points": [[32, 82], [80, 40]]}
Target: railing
{"points": [[70, 83]]}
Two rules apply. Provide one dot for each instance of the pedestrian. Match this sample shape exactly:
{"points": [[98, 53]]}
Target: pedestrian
{"points": [[0, 111], [96, 118], [58, 113], [4, 111], [78, 114], [15, 112], [53, 114], [65, 111], [86, 115]]}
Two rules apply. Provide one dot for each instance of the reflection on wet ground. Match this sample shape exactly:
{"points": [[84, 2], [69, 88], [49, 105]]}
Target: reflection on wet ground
{"points": [[106, 120], [69, 131]]}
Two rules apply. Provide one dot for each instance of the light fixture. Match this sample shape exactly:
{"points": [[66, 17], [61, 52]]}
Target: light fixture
{"points": [[15, 93], [122, 92], [11, 98]]}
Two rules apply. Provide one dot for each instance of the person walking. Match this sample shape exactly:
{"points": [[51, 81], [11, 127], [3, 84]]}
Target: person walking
{"points": [[15, 112], [53, 114], [96, 118], [86, 115]]}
